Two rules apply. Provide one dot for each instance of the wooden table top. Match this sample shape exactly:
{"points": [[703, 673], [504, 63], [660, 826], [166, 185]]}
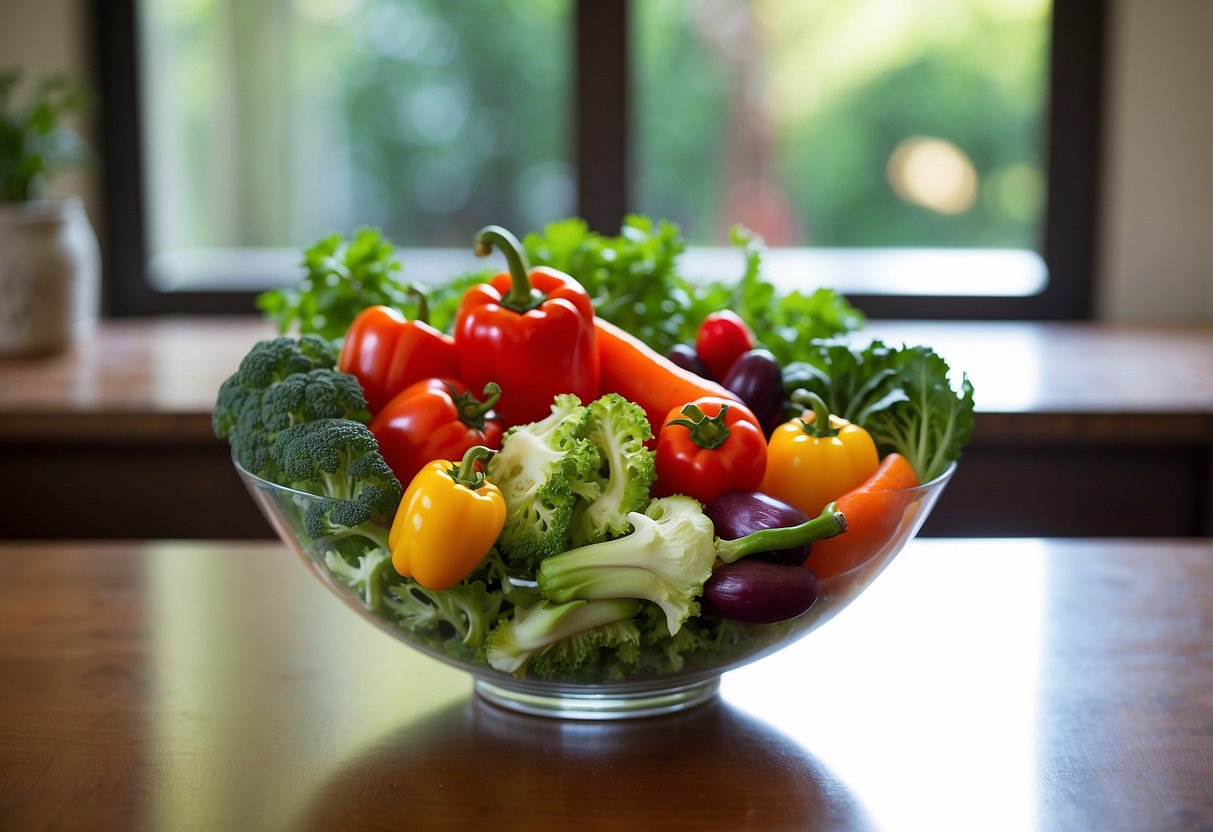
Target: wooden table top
{"points": [[156, 377], [979, 684]]}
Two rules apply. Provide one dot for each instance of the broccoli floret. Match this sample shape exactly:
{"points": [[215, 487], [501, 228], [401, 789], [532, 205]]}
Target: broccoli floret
{"points": [[576, 630], [625, 473], [665, 653], [537, 469], [365, 576], [316, 394], [282, 382], [666, 560], [338, 460], [468, 608], [266, 364]]}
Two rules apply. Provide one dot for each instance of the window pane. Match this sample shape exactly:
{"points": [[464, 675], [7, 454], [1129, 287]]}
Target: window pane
{"points": [[269, 124], [877, 123]]}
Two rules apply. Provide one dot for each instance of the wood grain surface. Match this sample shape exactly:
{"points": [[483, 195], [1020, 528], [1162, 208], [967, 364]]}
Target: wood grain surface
{"points": [[979, 684]]}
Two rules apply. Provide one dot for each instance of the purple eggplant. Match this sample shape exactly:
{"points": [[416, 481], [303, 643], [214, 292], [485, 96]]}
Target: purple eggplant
{"points": [[737, 513], [758, 591], [685, 357], [758, 381]]}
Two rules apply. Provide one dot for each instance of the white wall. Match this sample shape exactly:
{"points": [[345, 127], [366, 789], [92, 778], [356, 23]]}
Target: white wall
{"points": [[1156, 258], [45, 37], [1157, 228]]}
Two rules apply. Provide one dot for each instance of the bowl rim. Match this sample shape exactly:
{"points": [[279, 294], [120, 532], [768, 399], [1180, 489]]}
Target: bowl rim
{"points": [[945, 475]]}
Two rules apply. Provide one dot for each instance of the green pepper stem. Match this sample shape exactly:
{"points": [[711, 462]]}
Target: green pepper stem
{"points": [[521, 296], [423, 303], [827, 524], [820, 427], [707, 432], [472, 411], [467, 472]]}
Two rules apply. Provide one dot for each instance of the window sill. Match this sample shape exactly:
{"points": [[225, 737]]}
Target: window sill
{"points": [[919, 272]]}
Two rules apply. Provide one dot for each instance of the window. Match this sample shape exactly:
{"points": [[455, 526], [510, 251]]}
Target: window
{"points": [[897, 151]]}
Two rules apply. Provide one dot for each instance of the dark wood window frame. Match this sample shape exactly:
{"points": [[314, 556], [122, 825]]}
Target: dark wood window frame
{"points": [[601, 134]]}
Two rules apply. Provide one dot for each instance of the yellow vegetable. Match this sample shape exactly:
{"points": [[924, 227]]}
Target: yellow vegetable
{"points": [[447, 522], [815, 459]]}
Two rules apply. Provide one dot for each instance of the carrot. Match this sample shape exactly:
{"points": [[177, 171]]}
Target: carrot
{"points": [[873, 512], [639, 373]]}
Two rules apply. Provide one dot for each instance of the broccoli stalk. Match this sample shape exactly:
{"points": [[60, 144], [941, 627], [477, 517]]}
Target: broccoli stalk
{"points": [[537, 469], [469, 608], [575, 631], [364, 577], [619, 429], [339, 461], [667, 557]]}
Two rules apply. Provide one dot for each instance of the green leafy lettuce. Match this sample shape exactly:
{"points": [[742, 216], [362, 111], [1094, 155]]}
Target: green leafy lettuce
{"points": [[903, 396], [341, 278], [635, 282]]}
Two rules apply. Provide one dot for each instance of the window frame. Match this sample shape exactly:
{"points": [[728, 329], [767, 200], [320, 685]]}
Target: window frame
{"points": [[602, 156]]}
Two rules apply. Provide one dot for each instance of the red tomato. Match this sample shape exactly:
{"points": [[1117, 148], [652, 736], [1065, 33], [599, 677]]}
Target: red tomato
{"points": [[709, 446], [722, 338], [435, 418]]}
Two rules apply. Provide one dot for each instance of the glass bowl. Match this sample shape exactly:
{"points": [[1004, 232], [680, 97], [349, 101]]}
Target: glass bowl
{"points": [[640, 694]]}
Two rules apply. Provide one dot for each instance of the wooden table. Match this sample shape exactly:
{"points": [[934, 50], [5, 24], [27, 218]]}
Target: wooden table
{"points": [[979, 684], [1082, 429]]}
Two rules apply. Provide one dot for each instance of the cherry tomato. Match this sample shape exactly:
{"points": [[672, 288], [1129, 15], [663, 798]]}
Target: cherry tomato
{"points": [[721, 340], [709, 446], [435, 418]]}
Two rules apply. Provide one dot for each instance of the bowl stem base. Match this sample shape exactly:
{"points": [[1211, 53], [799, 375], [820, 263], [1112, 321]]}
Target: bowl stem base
{"points": [[599, 706]]}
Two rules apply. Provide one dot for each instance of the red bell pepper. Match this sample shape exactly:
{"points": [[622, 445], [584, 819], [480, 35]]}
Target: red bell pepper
{"points": [[435, 418], [387, 353], [531, 332]]}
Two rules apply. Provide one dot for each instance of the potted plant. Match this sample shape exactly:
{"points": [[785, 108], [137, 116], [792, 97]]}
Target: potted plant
{"points": [[49, 259]]}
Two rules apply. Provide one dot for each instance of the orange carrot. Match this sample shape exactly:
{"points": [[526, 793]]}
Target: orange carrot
{"points": [[637, 372], [873, 512]]}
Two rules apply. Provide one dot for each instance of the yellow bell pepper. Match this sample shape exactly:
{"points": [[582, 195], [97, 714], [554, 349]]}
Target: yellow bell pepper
{"points": [[448, 520], [815, 459]]}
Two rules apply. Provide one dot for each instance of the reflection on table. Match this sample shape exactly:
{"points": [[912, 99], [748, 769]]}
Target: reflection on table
{"points": [[978, 684]]}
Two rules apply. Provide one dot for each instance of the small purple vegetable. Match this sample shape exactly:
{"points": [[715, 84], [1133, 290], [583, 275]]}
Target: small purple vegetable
{"points": [[737, 513], [758, 591], [757, 380], [685, 357]]}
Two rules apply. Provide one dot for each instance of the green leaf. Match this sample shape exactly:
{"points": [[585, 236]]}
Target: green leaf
{"points": [[341, 278], [33, 144], [903, 396], [635, 281]]}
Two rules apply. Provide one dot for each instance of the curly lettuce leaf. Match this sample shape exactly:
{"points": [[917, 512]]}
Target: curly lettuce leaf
{"points": [[635, 282], [903, 396]]}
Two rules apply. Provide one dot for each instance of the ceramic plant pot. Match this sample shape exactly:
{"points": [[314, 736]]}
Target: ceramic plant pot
{"points": [[49, 275]]}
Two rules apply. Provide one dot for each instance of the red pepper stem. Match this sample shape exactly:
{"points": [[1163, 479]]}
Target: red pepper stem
{"points": [[522, 296], [820, 427], [468, 471], [707, 432], [423, 303], [472, 411]]}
